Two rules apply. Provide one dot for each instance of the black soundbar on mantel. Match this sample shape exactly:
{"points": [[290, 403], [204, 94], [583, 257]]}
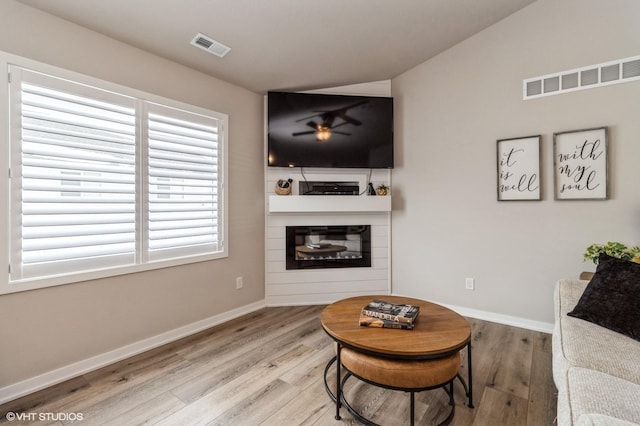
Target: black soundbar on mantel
{"points": [[328, 188]]}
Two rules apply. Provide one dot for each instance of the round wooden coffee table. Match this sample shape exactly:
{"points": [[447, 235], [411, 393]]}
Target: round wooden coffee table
{"points": [[438, 335]]}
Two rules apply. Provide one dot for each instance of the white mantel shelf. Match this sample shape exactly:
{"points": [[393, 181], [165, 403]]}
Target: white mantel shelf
{"points": [[328, 203]]}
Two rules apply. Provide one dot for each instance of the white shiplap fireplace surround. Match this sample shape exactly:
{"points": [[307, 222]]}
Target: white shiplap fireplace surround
{"points": [[320, 286]]}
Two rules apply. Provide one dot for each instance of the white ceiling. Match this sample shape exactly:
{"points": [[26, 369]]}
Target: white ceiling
{"points": [[290, 44]]}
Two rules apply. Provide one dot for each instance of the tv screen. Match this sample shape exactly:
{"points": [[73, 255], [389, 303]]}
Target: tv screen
{"points": [[317, 130]]}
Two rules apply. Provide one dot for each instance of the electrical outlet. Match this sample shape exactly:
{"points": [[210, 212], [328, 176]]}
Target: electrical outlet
{"points": [[239, 283], [469, 284]]}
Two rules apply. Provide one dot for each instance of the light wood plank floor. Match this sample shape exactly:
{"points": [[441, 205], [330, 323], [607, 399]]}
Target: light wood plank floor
{"points": [[266, 369]]}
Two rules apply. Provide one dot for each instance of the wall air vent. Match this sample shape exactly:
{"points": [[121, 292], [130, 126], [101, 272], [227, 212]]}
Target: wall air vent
{"points": [[605, 74], [210, 45]]}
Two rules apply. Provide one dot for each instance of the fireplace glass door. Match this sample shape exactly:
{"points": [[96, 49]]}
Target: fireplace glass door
{"points": [[315, 247]]}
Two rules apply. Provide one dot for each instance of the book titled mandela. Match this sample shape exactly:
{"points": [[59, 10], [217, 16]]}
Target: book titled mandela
{"points": [[395, 312], [367, 321]]}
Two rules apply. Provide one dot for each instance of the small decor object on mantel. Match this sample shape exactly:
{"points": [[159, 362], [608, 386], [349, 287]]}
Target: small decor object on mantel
{"points": [[370, 189], [613, 249], [283, 187], [382, 189]]}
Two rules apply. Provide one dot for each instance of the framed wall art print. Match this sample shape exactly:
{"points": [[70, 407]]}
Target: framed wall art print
{"points": [[519, 169], [580, 164]]}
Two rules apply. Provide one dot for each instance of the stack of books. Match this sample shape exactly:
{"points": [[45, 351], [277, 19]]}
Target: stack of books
{"points": [[380, 313]]}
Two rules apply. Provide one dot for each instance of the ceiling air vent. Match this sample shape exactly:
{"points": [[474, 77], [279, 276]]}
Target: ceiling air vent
{"points": [[210, 45], [605, 74]]}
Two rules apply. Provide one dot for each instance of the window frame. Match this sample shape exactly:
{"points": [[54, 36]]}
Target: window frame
{"points": [[142, 98]]}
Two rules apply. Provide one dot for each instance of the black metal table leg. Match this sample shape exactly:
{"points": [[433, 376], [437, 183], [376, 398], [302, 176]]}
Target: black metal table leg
{"points": [[338, 389], [412, 410], [470, 375], [326, 384], [468, 387], [334, 397]]}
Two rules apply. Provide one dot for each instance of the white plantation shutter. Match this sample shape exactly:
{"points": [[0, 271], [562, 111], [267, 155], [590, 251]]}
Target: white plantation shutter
{"points": [[104, 183], [182, 183], [73, 178]]}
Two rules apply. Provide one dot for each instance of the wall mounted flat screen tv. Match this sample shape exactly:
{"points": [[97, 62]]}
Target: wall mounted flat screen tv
{"points": [[337, 131]]}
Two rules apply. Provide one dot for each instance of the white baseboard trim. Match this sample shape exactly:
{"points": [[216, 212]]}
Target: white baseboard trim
{"points": [[519, 322], [528, 324], [42, 381]]}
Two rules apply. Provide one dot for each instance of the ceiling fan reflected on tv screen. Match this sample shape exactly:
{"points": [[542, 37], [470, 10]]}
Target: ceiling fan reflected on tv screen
{"points": [[336, 131]]}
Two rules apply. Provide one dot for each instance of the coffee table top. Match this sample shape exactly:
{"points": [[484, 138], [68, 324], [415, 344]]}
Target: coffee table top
{"points": [[438, 331]]}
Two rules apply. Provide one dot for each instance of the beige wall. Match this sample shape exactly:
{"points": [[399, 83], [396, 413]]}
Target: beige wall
{"points": [[46, 329], [447, 224]]}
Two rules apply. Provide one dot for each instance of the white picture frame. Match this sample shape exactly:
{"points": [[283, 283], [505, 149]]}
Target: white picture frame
{"points": [[580, 164], [518, 161]]}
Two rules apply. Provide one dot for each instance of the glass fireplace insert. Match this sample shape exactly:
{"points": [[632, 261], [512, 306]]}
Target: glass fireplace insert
{"points": [[316, 247]]}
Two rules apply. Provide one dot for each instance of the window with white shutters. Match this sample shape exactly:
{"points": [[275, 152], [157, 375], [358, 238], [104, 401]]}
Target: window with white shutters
{"points": [[103, 183], [182, 183]]}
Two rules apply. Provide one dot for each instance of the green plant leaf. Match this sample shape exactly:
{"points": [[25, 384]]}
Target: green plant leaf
{"points": [[612, 248]]}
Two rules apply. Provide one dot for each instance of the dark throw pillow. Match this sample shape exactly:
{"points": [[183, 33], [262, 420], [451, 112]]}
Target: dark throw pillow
{"points": [[612, 297]]}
